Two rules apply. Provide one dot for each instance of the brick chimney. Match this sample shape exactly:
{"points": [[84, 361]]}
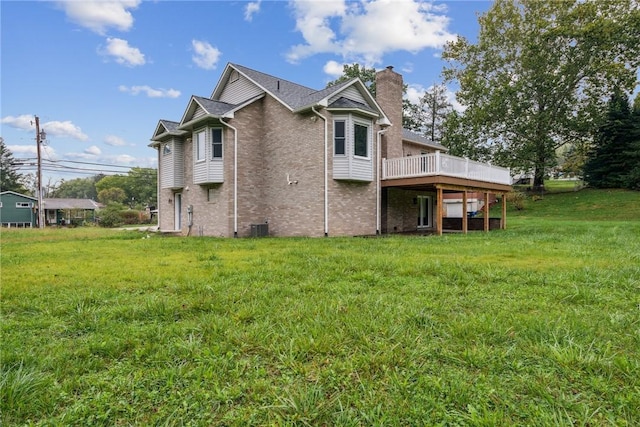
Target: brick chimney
{"points": [[389, 96]]}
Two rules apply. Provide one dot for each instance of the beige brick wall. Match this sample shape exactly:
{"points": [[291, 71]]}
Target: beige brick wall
{"points": [[274, 144], [402, 212], [389, 97]]}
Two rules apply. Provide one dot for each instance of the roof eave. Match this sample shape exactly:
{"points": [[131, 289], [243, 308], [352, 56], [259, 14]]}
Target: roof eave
{"points": [[354, 110]]}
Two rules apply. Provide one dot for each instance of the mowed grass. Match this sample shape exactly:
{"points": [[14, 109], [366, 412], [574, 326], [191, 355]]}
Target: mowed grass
{"points": [[535, 325]]}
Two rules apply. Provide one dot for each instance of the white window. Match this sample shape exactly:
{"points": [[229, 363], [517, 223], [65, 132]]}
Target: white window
{"points": [[360, 140], [339, 137], [216, 143], [23, 205], [166, 149], [200, 145]]}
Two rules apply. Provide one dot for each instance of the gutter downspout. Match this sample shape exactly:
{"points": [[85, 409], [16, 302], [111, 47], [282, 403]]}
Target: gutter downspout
{"points": [[235, 176], [326, 173], [378, 173]]}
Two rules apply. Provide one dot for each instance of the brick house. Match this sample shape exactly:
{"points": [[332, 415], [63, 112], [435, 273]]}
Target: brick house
{"points": [[265, 155]]}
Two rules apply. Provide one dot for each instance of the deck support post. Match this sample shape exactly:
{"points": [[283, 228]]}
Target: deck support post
{"points": [[440, 202], [464, 212], [486, 211], [503, 222]]}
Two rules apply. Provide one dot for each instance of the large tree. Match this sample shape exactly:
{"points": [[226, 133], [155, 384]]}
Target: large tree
{"points": [[78, 188], [435, 107], [10, 178], [139, 186], [540, 73]]}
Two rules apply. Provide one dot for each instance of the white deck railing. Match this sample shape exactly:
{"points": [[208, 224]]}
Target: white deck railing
{"points": [[443, 164]]}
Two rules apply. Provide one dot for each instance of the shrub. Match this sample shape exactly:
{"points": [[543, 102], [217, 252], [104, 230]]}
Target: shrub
{"points": [[110, 216], [516, 199]]}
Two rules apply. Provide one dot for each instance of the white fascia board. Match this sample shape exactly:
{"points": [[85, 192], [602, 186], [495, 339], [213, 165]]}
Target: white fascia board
{"points": [[223, 77]]}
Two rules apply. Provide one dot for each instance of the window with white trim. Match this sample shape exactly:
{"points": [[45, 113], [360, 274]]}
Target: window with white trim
{"points": [[216, 143], [200, 143], [339, 137], [23, 205], [360, 140]]}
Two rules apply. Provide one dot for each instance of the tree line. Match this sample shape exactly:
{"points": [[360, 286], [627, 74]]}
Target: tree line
{"points": [[136, 190], [540, 81]]}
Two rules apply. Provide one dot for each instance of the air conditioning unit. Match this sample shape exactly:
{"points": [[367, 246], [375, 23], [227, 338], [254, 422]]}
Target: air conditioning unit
{"points": [[259, 230]]}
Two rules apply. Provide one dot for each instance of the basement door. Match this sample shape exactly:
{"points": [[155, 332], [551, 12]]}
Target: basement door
{"points": [[425, 212]]}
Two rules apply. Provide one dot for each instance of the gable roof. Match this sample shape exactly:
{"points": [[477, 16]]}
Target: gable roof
{"points": [[295, 97], [164, 129], [18, 194], [411, 136]]}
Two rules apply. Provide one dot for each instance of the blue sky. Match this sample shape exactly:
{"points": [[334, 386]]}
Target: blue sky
{"points": [[100, 74]]}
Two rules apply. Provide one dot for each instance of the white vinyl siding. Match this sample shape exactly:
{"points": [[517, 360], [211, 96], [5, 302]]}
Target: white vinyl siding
{"points": [[350, 93], [239, 90], [206, 169], [199, 112], [172, 164], [357, 162]]}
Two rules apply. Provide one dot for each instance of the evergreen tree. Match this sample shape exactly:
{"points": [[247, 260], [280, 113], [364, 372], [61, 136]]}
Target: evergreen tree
{"points": [[537, 77], [632, 178], [10, 179], [609, 163]]}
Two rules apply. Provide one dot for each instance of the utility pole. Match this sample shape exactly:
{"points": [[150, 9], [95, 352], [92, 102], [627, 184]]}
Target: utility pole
{"points": [[39, 137]]}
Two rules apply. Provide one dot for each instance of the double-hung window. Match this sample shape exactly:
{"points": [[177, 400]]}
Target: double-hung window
{"points": [[216, 143], [200, 145], [339, 138], [360, 140]]}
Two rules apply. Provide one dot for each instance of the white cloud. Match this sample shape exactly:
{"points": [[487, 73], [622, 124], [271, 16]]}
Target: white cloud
{"points": [[93, 150], [150, 92], [52, 128], [114, 141], [23, 150], [416, 91], [368, 29], [24, 122], [205, 56], [64, 129], [334, 69], [124, 54], [121, 159], [251, 9], [100, 15]]}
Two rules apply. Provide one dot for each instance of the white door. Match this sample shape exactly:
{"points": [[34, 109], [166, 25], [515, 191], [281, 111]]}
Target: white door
{"points": [[425, 212], [178, 211]]}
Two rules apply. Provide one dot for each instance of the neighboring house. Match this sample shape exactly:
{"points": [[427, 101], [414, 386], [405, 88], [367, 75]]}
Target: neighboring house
{"points": [[263, 155], [69, 211], [18, 210]]}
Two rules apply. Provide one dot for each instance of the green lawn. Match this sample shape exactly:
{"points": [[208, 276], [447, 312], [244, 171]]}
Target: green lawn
{"points": [[535, 325]]}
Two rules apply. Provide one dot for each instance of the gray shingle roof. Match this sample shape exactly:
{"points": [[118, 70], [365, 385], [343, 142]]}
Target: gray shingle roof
{"points": [[215, 108], [71, 204], [351, 104], [415, 137], [171, 126], [292, 94]]}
